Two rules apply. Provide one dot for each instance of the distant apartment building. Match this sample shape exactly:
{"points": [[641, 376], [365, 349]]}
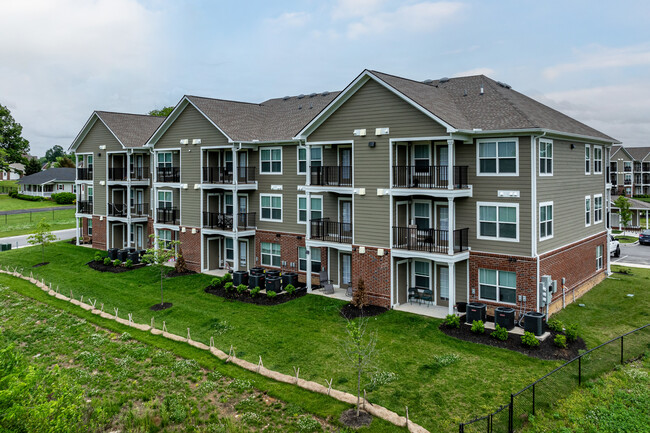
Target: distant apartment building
{"points": [[629, 170], [462, 187]]}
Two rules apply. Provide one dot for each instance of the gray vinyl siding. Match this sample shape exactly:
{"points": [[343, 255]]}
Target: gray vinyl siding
{"points": [[485, 189], [190, 125], [567, 189], [619, 158], [373, 106], [461, 281]]}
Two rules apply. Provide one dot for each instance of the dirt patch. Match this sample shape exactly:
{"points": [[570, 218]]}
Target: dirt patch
{"points": [[546, 349], [173, 273], [350, 418], [101, 267], [349, 311], [160, 307], [38, 265], [259, 299]]}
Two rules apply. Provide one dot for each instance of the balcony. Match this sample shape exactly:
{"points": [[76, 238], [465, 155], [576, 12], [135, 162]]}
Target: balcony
{"points": [[140, 173], [140, 210], [222, 221], [331, 175], [167, 215], [116, 173], [627, 168], [637, 167], [429, 177], [85, 207], [117, 210], [224, 175], [331, 231], [85, 173], [628, 182], [613, 179], [168, 174], [429, 240]]}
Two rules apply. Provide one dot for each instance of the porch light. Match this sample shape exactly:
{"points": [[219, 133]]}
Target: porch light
{"points": [[380, 251], [183, 230], [193, 231]]}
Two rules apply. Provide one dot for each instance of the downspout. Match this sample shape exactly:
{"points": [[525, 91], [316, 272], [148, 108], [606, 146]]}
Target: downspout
{"points": [[533, 199]]}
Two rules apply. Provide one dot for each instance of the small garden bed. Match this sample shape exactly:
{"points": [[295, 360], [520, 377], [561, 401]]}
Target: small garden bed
{"points": [[175, 273], [547, 349], [224, 288], [101, 267], [350, 312]]}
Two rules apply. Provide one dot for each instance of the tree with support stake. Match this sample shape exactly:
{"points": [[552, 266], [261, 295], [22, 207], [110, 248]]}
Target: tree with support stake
{"points": [[42, 236], [161, 252], [624, 212]]}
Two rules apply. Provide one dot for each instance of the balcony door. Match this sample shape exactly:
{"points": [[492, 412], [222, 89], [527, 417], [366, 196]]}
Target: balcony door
{"points": [[346, 270], [345, 162], [137, 172], [345, 217], [442, 159], [442, 285], [442, 222], [243, 254]]}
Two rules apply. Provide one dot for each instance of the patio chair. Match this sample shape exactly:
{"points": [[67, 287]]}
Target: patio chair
{"points": [[325, 283]]}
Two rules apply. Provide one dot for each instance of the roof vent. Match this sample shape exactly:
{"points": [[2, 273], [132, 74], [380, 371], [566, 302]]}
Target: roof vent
{"points": [[504, 85], [301, 96], [443, 80], [465, 94], [428, 81], [325, 93], [311, 105], [286, 97], [299, 107], [311, 95], [482, 90]]}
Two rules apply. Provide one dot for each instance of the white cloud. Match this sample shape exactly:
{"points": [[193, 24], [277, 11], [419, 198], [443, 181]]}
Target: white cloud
{"points": [[599, 57], [347, 9], [476, 71], [291, 19], [417, 18]]}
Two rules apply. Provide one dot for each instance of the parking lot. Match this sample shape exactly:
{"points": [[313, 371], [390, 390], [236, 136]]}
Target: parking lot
{"points": [[634, 254]]}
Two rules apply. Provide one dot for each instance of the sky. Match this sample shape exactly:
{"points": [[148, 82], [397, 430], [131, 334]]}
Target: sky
{"points": [[61, 60]]}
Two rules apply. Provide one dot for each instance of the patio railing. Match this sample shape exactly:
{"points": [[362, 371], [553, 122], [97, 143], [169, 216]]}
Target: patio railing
{"points": [[429, 240]]}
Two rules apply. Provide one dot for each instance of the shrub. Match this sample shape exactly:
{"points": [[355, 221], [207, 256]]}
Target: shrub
{"points": [[571, 332], [242, 288], [180, 266], [271, 294], [478, 327], [63, 197], [99, 257], [452, 321], [28, 197], [117, 262], [308, 425], [255, 291], [227, 278], [555, 325], [229, 287], [128, 263], [529, 340], [500, 333], [13, 193], [216, 282], [360, 297], [107, 261], [560, 341], [290, 289]]}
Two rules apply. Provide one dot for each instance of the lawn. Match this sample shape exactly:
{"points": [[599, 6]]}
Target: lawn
{"points": [[116, 383], [25, 223], [307, 333], [8, 203], [626, 239]]}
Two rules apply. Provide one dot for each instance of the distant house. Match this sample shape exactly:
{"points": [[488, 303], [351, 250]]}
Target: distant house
{"points": [[15, 172], [48, 182]]}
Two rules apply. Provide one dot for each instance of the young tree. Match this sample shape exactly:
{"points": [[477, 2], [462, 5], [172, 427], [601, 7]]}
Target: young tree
{"points": [[180, 267], [359, 349], [42, 236], [624, 212], [12, 145], [164, 112], [32, 166], [161, 252]]}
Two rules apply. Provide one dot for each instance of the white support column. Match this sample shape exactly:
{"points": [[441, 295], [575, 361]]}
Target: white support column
{"points": [[451, 216], [450, 164], [308, 164], [452, 287], [308, 234], [235, 253], [76, 220], [646, 219], [235, 211]]}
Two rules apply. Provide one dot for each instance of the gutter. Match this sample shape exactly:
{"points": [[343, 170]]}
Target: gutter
{"points": [[542, 131], [533, 204]]}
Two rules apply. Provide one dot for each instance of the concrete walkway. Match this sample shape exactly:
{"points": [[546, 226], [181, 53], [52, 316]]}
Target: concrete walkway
{"points": [[21, 241], [40, 209]]}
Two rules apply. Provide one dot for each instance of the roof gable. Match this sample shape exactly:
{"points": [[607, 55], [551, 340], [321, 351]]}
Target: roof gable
{"points": [[130, 130]]}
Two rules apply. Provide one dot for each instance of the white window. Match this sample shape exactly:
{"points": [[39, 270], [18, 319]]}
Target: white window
{"points": [[302, 160], [60, 187], [316, 208], [315, 259], [599, 257], [228, 206], [270, 254], [587, 211], [587, 159], [164, 239], [498, 157], [545, 220], [316, 158], [90, 194], [598, 160], [271, 160], [598, 208], [164, 159], [422, 273], [165, 200], [421, 157], [627, 165], [498, 221], [230, 250], [497, 286], [90, 161], [545, 157], [271, 207], [90, 227], [422, 214]]}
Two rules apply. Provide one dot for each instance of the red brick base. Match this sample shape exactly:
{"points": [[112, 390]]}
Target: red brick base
{"points": [[99, 233], [191, 246], [375, 272]]}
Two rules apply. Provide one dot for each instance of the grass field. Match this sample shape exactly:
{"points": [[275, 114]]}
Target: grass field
{"points": [[21, 224], [8, 203], [626, 239]]}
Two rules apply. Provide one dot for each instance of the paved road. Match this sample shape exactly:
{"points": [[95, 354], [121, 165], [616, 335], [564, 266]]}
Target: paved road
{"points": [[21, 241], [633, 254], [41, 209]]}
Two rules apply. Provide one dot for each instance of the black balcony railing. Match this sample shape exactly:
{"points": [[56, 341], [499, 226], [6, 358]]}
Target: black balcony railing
{"points": [[85, 207], [646, 166], [85, 173], [627, 168], [429, 240], [140, 209], [331, 231], [628, 182], [168, 174], [225, 175], [116, 173], [167, 215], [117, 209], [331, 175], [140, 173], [435, 176], [218, 220], [613, 179]]}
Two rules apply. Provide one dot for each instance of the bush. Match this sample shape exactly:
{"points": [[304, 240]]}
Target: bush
{"points": [[571, 332], [107, 261], [452, 321], [560, 341], [216, 282], [229, 287], [13, 193], [227, 278], [117, 262], [555, 325], [128, 263], [271, 294], [290, 289], [360, 297], [500, 333], [255, 291], [29, 197], [478, 327], [242, 288], [99, 257], [64, 197], [529, 340]]}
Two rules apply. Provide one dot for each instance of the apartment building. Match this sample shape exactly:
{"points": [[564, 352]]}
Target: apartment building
{"points": [[629, 170], [461, 187]]}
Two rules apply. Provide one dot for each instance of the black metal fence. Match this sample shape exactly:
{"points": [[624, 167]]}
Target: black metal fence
{"points": [[544, 392], [331, 175], [331, 231], [429, 240], [225, 175], [435, 176]]}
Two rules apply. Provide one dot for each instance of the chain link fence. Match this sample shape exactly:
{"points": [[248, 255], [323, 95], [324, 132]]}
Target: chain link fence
{"points": [[542, 394]]}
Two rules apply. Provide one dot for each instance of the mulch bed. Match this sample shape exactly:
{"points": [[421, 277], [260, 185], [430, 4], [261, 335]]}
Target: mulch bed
{"points": [[350, 418], [40, 264], [546, 349], [259, 299], [160, 307], [173, 273], [349, 311], [101, 267]]}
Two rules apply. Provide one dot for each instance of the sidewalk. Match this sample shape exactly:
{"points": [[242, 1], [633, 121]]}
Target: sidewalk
{"points": [[21, 241]]}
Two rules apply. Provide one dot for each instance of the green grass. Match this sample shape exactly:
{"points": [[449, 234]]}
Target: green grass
{"points": [[8, 203], [113, 380], [626, 239], [21, 224]]}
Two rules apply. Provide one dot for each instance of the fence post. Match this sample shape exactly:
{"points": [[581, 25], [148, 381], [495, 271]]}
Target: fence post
{"points": [[622, 358], [533, 399], [579, 370], [460, 428], [511, 423]]}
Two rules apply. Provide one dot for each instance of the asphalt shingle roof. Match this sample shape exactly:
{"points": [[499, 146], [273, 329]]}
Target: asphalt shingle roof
{"points": [[49, 175], [133, 130], [638, 153]]}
